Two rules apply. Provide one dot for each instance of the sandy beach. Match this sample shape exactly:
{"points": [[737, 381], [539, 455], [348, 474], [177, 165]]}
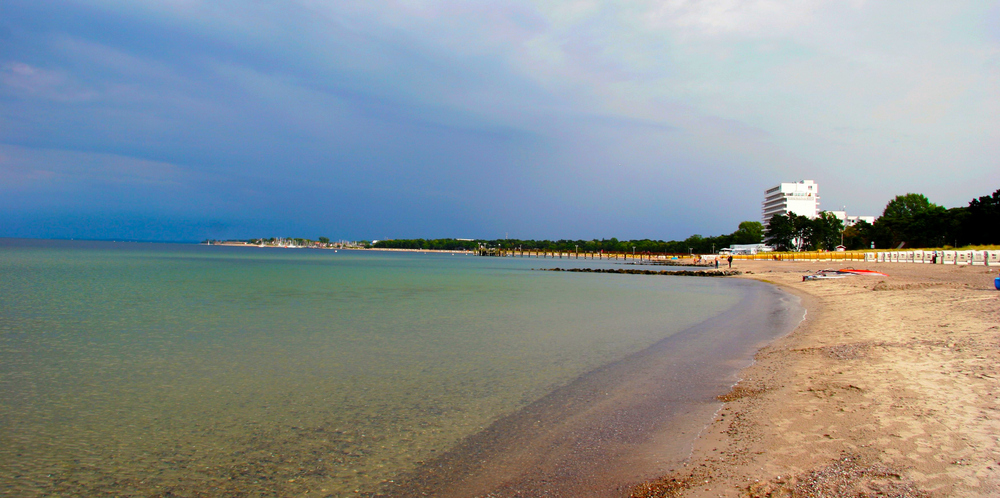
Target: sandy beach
{"points": [[889, 387]]}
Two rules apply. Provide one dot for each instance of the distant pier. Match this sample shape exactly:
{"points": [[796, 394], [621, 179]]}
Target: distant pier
{"points": [[498, 252]]}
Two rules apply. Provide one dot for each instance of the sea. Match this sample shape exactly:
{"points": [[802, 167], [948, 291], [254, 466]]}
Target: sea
{"points": [[147, 369]]}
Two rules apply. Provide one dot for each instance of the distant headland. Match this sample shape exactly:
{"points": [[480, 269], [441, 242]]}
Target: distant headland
{"points": [[291, 243]]}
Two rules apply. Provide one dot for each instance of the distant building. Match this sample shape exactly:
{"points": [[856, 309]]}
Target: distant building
{"points": [[801, 198], [746, 249], [852, 220]]}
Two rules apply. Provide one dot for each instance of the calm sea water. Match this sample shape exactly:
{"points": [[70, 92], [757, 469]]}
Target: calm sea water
{"points": [[144, 369]]}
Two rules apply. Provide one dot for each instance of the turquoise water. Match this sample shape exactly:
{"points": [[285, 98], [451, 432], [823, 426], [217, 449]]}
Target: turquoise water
{"points": [[142, 369]]}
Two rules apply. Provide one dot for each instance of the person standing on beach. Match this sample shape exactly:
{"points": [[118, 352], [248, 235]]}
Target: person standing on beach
{"points": [[730, 259]]}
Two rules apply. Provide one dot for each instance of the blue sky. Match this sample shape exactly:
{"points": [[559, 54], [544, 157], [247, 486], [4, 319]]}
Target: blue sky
{"points": [[192, 119]]}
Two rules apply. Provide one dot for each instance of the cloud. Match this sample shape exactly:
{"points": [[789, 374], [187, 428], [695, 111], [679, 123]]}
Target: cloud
{"points": [[24, 168], [745, 18], [28, 81]]}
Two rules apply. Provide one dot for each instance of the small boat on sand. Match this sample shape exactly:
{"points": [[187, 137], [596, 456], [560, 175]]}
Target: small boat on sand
{"points": [[862, 272], [843, 272], [821, 276]]}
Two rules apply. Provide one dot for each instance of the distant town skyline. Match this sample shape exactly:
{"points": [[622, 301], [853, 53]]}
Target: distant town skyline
{"points": [[221, 119]]}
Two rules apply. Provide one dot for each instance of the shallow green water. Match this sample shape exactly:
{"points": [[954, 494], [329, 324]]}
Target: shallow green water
{"points": [[138, 369]]}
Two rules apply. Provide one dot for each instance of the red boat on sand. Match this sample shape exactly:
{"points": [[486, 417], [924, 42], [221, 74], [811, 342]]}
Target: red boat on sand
{"points": [[862, 272]]}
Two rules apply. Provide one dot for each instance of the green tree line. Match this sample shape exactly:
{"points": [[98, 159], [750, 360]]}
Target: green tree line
{"points": [[748, 232], [909, 220]]}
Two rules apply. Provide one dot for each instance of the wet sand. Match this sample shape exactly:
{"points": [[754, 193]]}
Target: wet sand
{"points": [[619, 425], [888, 388]]}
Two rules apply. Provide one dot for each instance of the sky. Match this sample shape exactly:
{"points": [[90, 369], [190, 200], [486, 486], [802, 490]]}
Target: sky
{"points": [[181, 120]]}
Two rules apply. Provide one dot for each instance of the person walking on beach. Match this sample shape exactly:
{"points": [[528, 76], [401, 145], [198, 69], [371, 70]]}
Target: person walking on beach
{"points": [[730, 259]]}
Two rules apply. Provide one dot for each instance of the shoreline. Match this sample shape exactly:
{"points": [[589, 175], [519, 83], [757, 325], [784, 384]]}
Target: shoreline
{"points": [[614, 415], [889, 385]]}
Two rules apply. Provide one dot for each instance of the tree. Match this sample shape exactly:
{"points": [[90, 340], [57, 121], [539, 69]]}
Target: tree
{"points": [[825, 231], [749, 232], [982, 226], [906, 206], [858, 236], [794, 232], [324, 240], [696, 243], [780, 232], [908, 220], [928, 228], [804, 232]]}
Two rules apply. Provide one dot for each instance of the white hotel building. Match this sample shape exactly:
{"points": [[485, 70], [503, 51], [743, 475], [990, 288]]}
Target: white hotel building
{"points": [[800, 198]]}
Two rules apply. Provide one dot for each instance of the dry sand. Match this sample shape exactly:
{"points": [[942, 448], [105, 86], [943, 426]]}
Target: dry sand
{"points": [[888, 388]]}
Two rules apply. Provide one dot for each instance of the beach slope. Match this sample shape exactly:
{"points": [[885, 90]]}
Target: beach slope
{"points": [[889, 388]]}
